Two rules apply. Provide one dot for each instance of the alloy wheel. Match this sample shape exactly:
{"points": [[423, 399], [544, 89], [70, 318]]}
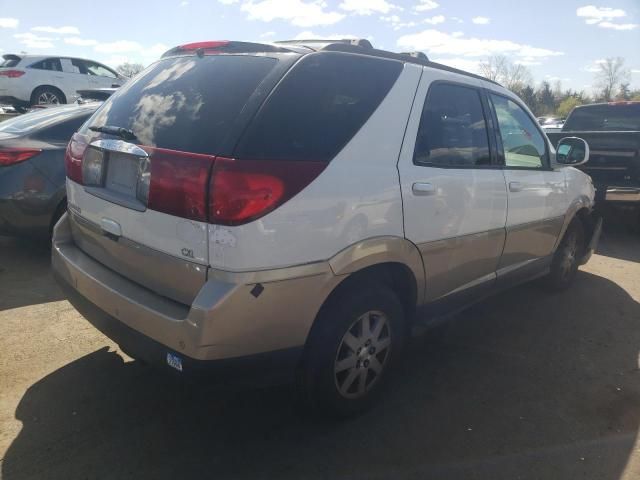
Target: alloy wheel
{"points": [[362, 354]]}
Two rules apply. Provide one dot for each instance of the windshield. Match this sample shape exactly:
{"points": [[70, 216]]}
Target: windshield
{"points": [[605, 118]]}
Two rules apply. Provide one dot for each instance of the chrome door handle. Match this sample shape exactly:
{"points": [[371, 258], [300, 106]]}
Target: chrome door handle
{"points": [[422, 189], [515, 186]]}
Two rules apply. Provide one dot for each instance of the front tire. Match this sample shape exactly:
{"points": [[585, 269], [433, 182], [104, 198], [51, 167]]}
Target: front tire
{"points": [[566, 259], [47, 96], [351, 351]]}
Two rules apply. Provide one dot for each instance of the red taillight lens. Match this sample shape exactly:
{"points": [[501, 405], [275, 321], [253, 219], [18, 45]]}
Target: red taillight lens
{"points": [[11, 156], [11, 73], [204, 45], [178, 183], [73, 157], [244, 190]]}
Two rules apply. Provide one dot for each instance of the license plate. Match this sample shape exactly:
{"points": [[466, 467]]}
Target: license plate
{"points": [[174, 361], [122, 174]]}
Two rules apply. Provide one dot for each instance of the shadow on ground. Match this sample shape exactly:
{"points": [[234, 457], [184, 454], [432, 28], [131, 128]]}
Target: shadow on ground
{"points": [[25, 276], [525, 385], [621, 235]]}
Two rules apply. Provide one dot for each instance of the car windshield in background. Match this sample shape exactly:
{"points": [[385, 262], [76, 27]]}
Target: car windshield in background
{"points": [[605, 117], [30, 122], [186, 103]]}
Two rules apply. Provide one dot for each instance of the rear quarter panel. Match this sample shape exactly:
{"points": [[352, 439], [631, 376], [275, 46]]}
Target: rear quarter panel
{"points": [[356, 197]]}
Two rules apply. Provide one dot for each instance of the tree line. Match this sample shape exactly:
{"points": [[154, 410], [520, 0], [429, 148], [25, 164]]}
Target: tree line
{"points": [[611, 82]]}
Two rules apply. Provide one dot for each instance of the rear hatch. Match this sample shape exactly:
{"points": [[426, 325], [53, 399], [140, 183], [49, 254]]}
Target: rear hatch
{"points": [[139, 170], [613, 134]]}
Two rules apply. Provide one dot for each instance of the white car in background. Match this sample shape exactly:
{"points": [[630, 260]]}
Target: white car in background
{"points": [[27, 80]]}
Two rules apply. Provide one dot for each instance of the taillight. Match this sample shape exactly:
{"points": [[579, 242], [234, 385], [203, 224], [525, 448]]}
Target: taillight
{"points": [[241, 191], [204, 45], [176, 183], [73, 157], [11, 156], [11, 73]]}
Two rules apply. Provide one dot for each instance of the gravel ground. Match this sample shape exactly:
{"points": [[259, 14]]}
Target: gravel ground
{"points": [[525, 385]]}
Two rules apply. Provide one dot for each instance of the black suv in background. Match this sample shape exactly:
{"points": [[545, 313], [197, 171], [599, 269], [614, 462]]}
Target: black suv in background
{"points": [[612, 131]]}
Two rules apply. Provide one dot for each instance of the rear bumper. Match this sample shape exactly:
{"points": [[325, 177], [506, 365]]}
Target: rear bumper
{"points": [[623, 194], [262, 369], [228, 320]]}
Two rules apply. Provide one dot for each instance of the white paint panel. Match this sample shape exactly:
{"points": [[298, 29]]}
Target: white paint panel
{"points": [[160, 231], [465, 201], [356, 197]]}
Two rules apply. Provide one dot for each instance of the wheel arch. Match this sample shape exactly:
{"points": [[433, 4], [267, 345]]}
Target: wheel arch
{"points": [[580, 208], [53, 87], [393, 261]]}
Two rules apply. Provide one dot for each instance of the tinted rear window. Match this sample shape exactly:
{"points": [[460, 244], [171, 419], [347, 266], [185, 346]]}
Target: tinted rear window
{"points": [[186, 103], [604, 117], [318, 107]]}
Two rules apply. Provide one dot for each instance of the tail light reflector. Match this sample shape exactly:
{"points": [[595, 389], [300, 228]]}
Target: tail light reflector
{"points": [[73, 157], [11, 73], [11, 156], [177, 183], [244, 190]]}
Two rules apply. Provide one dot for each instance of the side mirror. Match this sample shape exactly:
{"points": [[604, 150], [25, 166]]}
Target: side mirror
{"points": [[572, 151]]}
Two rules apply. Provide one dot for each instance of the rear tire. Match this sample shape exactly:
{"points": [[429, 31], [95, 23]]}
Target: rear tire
{"points": [[351, 351], [47, 96], [566, 259]]}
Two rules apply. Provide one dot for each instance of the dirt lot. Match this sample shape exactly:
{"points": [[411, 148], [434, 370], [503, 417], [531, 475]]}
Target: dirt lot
{"points": [[526, 385]]}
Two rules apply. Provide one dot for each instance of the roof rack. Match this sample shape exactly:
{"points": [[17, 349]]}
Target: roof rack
{"points": [[319, 44], [420, 55], [361, 46]]}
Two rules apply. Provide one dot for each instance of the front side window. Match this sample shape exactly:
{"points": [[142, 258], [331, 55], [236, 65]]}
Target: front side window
{"points": [[78, 66], [453, 131], [99, 70], [523, 144], [52, 64]]}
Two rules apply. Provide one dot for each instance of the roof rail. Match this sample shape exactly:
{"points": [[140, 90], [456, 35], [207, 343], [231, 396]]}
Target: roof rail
{"points": [[420, 55], [322, 43]]}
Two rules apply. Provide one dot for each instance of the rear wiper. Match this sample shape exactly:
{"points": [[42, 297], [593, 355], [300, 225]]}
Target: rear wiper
{"points": [[121, 132]]}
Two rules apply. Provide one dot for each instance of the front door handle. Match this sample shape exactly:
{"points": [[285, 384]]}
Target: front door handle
{"points": [[422, 189], [515, 186]]}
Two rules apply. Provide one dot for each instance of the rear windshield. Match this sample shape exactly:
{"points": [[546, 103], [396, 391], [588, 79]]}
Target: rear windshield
{"points": [[318, 107], [186, 103], [604, 117]]}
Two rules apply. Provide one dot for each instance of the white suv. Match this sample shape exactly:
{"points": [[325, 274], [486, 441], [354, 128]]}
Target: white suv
{"points": [[36, 80], [288, 211]]}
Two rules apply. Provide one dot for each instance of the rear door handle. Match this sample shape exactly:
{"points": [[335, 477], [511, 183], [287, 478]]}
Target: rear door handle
{"points": [[422, 189], [515, 186]]}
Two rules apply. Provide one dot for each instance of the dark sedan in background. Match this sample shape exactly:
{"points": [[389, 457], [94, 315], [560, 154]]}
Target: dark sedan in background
{"points": [[32, 174]]}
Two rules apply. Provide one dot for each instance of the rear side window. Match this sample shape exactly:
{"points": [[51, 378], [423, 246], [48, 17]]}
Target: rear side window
{"points": [[52, 64], [318, 107], [453, 131], [186, 103], [605, 117]]}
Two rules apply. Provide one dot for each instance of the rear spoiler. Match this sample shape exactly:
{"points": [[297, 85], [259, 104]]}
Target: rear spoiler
{"points": [[11, 56]]}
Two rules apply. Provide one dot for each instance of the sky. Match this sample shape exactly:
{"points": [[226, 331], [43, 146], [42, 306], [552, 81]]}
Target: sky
{"points": [[556, 39]]}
